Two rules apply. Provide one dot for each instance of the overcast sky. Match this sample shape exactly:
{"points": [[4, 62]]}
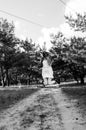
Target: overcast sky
{"points": [[49, 13]]}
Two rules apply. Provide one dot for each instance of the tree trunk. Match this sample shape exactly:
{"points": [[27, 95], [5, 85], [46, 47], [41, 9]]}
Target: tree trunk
{"points": [[82, 80], [7, 78], [29, 79], [82, 74], [2, 77]]}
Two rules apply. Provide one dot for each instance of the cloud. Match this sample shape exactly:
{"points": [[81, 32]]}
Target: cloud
{"points": [[75, 6], [17, 25], [46, 32], [40, 15], [20, 30], [72, 7], [66, 30]]}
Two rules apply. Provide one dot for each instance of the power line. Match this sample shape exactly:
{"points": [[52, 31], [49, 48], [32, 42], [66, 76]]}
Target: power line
{"points": [[67, 5], [30, 21], [22, 18], [62, 2]]}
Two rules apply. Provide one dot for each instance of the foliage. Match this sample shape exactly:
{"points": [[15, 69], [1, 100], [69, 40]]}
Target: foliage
{"points": [[77, 48], [69, 57], [7, 48], [18, 58], [78, 23], [61, 71]]}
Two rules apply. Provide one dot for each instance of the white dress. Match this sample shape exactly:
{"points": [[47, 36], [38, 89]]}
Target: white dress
{"points": [[47, 71]]}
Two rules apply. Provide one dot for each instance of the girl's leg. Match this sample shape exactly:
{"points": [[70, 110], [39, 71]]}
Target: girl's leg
{"points": [[45, 81], [51, 81]]}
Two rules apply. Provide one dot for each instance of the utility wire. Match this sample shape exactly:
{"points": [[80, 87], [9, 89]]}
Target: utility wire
{"points": [[67, 5], [22, 18], [30, 21]]}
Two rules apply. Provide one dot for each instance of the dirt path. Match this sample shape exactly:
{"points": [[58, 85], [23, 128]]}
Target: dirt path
{"points": [[47, 109]]}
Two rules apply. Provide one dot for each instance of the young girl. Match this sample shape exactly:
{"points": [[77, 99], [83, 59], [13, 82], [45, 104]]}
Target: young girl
{"points": [[47, 71]]}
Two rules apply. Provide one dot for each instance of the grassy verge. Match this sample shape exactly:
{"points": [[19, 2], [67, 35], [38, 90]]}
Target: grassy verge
{"points": [[73, 89], [72, 84], [9, 97]]}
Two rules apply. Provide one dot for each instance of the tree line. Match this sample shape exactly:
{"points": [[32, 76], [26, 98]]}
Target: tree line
{"points": [[20, 60], [70, 53]]}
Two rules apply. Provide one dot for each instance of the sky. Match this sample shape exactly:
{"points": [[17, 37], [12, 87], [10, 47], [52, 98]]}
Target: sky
{"points": [[48, 13]]}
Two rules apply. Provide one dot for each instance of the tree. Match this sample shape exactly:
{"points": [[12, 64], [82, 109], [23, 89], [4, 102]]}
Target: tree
{"points": [[78, 23], [59, 64], [77, 47], [28, 62], [7, 48]]}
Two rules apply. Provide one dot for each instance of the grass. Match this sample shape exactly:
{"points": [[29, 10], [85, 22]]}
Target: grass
{"points": [[72, 84], [10, 97], [73, 89], [77, 93]]}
